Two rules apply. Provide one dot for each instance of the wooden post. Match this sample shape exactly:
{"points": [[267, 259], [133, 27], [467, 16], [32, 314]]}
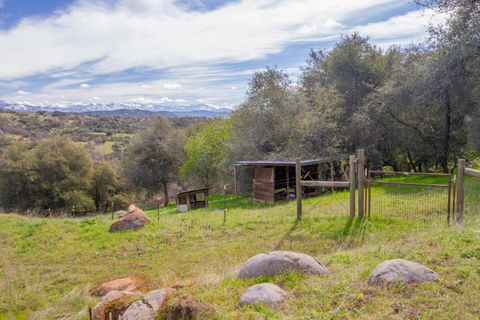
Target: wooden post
{"points": [[288, 182], [449, 198], [298, 177], [361, 181], [352, 185], [331, 175], [460, 189], [235, 188]]}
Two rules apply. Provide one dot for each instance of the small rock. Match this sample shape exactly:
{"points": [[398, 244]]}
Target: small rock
{"points": [[279, 262], [131, 284], [399, 270], [148, 307], [98, 312], [134, 219], [266, 293]]}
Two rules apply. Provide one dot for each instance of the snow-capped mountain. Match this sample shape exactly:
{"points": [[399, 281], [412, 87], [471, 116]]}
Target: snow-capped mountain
{"points": [[134, 109]]}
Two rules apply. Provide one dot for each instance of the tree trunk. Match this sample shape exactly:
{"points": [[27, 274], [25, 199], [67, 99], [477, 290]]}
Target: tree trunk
{"points": [[410, 160], [165, 194], [447, 136]]}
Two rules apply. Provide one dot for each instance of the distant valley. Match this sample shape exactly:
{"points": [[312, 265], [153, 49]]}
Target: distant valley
{"points": [[129, 110]]}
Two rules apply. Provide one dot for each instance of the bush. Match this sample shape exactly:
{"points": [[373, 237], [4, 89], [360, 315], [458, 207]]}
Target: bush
{"points": [[49, 175]]}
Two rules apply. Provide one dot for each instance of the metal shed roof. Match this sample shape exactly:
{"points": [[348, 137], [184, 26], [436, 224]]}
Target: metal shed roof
{"points": [[193, 191], [288, 163]]}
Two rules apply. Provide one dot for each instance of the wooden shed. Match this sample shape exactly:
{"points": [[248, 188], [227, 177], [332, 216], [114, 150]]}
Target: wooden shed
{"points": [[274, 180], [191, 199]]}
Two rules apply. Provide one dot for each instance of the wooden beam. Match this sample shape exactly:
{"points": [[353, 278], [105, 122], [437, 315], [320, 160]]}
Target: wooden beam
{"points": [[235, 184], [298, 176], [328, 184], [352, 185], [361, 181], [331, 176], [460, 189], [472, 172]]}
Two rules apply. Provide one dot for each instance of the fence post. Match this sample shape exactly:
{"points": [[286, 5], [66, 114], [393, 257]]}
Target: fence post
{"points": [[298, 177], [460, 189], [352, 185], [361, 181], [235, 184]]}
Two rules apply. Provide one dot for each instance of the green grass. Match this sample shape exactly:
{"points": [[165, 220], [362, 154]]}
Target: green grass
{"points": [[48, 265]]}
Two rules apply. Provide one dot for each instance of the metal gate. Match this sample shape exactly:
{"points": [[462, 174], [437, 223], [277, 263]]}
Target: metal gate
{"points": [[410, 195]]}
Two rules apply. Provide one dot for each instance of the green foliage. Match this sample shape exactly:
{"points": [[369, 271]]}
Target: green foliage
{"points": [[105, 183], [154, 156], [207, 153], [277, 122], [52, 174]]}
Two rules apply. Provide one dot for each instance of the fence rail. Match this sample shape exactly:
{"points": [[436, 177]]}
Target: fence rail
{"points": [[428, 199]]}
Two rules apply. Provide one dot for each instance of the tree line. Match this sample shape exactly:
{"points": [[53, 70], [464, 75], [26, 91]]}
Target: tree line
{"points": [[411, 109]]}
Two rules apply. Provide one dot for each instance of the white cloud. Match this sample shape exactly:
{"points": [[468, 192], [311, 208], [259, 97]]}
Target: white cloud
{"points": [[401, 29], [234, 88], [165, 100], [84, 86], [181, 100], [23, 93], [125, 35], [172, 86]]}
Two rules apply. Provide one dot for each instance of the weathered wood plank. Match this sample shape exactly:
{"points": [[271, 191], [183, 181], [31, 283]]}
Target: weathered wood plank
{"points": [[352, 185], [361, 181], [472, 172], [298, 178], [460, 189], [328, 184]]}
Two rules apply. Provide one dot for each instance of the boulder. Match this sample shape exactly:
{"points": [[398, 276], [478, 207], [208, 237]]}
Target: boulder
{"points": [[120, 213], [266, 293], [139, 310], [131, 284], [187, 308], [278, 262], [134, 219], [399, 270], [148, 307], [98, 312]]}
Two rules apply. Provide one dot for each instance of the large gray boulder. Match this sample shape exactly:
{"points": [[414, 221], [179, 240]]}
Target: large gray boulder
{"points": [[279, 262], [148, 307], [399, 270], [266, 293]]}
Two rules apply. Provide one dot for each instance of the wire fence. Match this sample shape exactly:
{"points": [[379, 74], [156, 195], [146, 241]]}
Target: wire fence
{"points": [[410, 195]]}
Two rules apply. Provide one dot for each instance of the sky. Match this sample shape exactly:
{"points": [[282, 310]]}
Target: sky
{"points": [[184, 52]]}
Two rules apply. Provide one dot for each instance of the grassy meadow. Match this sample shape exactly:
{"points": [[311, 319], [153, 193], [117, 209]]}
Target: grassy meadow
{"points": [[47, 266]]}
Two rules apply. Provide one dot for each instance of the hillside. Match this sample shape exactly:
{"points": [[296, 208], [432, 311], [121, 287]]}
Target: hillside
{"points": [[47, 266], [103, 133]]}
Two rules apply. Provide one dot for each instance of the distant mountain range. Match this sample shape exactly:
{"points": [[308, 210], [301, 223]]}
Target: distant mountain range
{"points": [[132, 110]]}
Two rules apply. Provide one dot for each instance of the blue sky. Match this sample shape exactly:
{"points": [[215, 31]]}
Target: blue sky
{"points": [[62, 52]]}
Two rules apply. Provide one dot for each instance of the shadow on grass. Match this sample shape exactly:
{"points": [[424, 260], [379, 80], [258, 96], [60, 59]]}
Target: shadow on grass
{"points": [[355, 230], [286, 235]]}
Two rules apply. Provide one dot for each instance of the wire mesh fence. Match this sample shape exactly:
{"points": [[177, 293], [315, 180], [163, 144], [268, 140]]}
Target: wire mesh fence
{"points": [[410, 195]]}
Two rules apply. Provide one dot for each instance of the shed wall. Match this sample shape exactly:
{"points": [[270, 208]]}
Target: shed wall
{"points": [[263, 184]]}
